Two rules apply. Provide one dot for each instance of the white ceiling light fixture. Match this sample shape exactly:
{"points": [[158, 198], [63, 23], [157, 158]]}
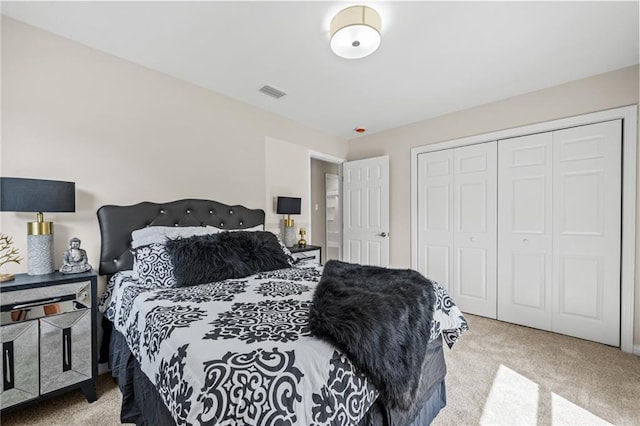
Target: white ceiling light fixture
{"points": [[355, 32]]}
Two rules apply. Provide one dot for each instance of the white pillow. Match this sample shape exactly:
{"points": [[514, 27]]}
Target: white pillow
{"points": [[160, 234]]}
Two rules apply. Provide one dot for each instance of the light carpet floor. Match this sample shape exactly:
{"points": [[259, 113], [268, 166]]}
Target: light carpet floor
{"points": [[498, 374], [505, 374]]}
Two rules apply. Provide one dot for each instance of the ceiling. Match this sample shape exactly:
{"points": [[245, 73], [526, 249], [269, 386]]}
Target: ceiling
{"points": [[435, 57]]}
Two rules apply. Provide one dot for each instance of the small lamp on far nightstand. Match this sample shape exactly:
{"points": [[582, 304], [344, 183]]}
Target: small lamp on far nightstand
{"points": [[288, 206], [38, 196]]}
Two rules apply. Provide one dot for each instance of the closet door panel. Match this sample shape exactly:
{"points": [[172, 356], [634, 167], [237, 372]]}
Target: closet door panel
{"points": [[474, 236], [586, 239], [435, 227], [525, 230]]}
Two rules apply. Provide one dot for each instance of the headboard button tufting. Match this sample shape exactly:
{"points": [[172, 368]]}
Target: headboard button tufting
{"points": [[117, 223]]}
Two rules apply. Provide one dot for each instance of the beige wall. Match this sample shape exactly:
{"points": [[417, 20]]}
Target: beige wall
{"points": [[126, 134], [287, 175], [605, 91]]}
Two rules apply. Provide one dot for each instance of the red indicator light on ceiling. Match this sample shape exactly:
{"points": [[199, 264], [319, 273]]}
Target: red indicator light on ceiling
{"points": [[359, 130]]}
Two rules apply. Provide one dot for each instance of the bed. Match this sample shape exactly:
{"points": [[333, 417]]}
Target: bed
{"points": [[213, 345]]}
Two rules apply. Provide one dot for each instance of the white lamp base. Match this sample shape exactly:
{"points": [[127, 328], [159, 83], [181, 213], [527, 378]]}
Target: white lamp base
{"points": [[289, 236], [40, 254]]}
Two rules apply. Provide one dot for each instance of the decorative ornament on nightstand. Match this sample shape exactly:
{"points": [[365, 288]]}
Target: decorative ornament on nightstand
{"points": [[75, 259], [302, 242], [7, 254]]}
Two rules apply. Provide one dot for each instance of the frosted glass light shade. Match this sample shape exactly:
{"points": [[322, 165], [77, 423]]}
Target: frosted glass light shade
{"points": [[355, 32]]}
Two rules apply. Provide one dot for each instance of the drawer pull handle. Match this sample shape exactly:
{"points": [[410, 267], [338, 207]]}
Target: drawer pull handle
{"points": [[41, 302], [8, 359], [7, 365], [66, 349]]}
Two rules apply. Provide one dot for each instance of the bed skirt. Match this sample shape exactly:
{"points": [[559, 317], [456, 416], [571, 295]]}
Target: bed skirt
{"points": [[142, 405]]}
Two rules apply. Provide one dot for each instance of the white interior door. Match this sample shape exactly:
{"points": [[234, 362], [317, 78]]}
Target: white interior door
{"points": [[475, 228], [435, 216], [366, 211], [525, 230], [586, 237]]}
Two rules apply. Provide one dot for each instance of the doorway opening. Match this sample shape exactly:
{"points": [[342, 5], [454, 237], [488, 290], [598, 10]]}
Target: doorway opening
{"points": [[326, 207]]}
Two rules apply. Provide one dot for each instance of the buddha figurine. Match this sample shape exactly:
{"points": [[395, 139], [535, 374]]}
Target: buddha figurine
{"points": [[75, 259]]}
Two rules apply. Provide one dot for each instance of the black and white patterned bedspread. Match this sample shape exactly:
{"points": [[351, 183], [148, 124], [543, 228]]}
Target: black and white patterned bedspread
{"points": [[240, 351]]}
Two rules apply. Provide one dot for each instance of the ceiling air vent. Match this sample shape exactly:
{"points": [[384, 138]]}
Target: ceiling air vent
{"points": [[272, 91]]}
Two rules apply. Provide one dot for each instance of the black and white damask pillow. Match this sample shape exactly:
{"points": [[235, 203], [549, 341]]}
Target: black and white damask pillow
{"points": [[290, 259], [153, 266]]}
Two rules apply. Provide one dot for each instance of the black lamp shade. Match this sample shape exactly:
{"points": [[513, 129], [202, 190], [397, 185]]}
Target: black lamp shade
{"points": [[36, 195], [288, 205]]}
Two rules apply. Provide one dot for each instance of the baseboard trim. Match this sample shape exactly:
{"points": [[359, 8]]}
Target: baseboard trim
{"points": [[636, 350]]}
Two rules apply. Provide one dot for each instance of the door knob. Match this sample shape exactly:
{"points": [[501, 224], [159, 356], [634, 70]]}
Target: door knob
{"points": [[382, 234]]}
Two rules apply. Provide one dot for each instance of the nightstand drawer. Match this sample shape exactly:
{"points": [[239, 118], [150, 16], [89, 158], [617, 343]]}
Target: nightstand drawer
{"points": [[80, 290], [307, 257], [25, 305]]}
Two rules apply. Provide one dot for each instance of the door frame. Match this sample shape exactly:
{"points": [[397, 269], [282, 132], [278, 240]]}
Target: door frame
{"points": [[629, 116], [329, 159]]}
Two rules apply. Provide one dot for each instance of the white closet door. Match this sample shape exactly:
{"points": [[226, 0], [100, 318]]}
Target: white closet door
{"points": [[586, 237], [475, 228], [525, 230], [435, 216]]}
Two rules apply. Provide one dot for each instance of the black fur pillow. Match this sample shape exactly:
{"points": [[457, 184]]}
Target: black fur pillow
{"points": [[207, 258]]}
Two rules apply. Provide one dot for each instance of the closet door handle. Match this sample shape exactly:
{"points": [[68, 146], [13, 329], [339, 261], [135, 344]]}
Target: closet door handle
{"points": [[525, 241], [472, 239], [382, 234]]}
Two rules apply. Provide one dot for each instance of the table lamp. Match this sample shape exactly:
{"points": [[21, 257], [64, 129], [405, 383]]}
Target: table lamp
{"points": [[38, 196], [288, 206]]}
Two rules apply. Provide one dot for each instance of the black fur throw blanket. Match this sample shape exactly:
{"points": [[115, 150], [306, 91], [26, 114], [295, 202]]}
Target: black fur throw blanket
{"points": [[381, 319]]}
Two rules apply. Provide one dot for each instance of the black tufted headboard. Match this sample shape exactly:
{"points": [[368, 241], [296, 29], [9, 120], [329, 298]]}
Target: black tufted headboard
{"points": [[117, 223]]}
